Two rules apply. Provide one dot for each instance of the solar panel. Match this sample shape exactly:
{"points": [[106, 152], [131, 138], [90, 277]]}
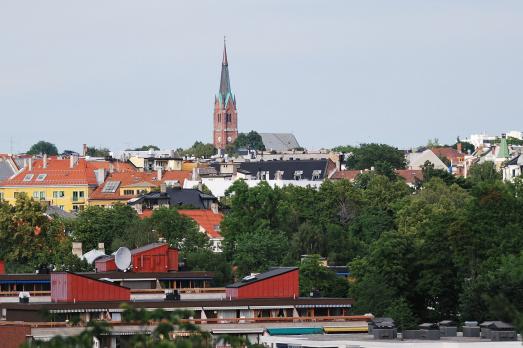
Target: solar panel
{"points": [[111, 186]]}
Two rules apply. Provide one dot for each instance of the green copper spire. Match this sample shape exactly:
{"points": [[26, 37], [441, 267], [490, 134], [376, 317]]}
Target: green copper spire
{"points": [[225, 83], [503, 148]]}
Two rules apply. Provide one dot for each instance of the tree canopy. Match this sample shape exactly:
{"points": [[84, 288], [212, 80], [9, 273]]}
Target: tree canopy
{"points": [[43, 148], [146, 148], [250, 141], [367, 156], [199, 150], [97, 151]]}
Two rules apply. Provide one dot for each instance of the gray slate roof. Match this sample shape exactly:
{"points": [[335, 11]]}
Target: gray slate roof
{"points": [[279, 141], [6, 170]]}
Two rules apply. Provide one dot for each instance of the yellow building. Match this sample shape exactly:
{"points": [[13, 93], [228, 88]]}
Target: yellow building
{"points": [[62, 182]]}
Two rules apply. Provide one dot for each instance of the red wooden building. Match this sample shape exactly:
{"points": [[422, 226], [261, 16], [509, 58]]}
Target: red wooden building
{"points": [[2, 267], [282, 282], [155, 257], [71, 287]]}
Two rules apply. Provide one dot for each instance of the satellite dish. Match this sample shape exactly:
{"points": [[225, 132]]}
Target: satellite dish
{"points": [[122, 258]]}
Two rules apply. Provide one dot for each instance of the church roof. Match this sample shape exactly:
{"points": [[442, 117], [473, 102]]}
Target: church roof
{"points": [[279, 141]]}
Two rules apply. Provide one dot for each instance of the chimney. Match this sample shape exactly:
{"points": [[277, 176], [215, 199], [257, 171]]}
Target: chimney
{"points": [[159, 174], [339, 161], [101, 247], [71, 161], [163, 188], [171, 153], [100, 176], [111, 168], [77, 249], [459, 147], [44, 165], [84, 150], [214, 208], [30, 163]]}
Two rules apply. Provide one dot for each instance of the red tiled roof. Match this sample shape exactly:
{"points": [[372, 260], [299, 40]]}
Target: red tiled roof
{"points": [[410, 175], [448, 152], [208, 220], [346, 174], [57, 172], [133, 179]]}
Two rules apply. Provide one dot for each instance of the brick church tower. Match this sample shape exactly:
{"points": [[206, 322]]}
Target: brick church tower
{"points": [[225, 113]]}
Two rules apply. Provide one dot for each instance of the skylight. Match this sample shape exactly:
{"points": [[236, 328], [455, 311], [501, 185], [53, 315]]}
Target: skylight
{"points": [[41, 177], [111, 186], [28, 177]]}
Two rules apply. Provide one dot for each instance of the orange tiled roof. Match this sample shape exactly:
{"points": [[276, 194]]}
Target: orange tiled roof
{"points": [[208, 220], [410, 175], [346, 174], [132, 179], [448, 152], [57, 172]]}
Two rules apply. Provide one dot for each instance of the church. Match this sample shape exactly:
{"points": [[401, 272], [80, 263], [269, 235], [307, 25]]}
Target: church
{"points": [[225, 114]]}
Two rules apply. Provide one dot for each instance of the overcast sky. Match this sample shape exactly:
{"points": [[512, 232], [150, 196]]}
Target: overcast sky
{"points": [[125, 73]]}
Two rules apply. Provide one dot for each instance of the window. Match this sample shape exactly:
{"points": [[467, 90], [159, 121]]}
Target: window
{"points": [[298, 174], [219, 117], [81, 194], [35, 194], [42, 195], [28, 177], [61, 207], [128, 192], [41, 177], [58, 194]]}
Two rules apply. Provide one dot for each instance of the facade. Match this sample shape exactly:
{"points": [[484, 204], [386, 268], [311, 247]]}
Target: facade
{"points": [[225, 113], [120, 187], [281, 282], [63, 182]]}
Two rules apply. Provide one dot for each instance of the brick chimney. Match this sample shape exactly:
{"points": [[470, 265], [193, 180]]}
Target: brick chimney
{"points": [[101, 247], [71, 161], [459, 147], [44, 165]]}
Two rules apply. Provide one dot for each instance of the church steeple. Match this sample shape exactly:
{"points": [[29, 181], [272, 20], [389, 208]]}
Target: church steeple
{"points": [[225, 114], [225, 83]]}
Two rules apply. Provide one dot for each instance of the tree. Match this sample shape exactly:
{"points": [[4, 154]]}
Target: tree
{"points": [[97, 152], [367, 155], [199, 150], [400, 311], [315, 277], [146, 148], [180, 231], [485, 171], [343, 149], [43, 148], [206, 260], [97, 224], [138, 234], [250, 141]]}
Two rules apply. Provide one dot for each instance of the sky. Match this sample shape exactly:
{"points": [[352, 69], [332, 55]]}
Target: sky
{"points": [[125, 73]]}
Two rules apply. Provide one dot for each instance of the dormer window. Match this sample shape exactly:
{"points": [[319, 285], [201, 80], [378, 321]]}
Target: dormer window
{"points": [[28, 177], [298, 174], [316, 174]]}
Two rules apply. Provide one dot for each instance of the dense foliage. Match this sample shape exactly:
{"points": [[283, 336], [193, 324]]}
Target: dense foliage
{"points": [[441, 250], [146, 148], [97, 151], [198, 150], [250, 141], [43, 147], [371, 155]]}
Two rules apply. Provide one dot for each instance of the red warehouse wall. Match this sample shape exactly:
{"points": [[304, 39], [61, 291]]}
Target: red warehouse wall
{"points": [[107, 265], [281, 286], [70, 287], [13, 336], [173, 260], [2, 267]]}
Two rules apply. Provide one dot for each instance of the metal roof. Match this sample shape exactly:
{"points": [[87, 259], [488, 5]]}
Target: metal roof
{"points": [[279, 141], [263, 276]]}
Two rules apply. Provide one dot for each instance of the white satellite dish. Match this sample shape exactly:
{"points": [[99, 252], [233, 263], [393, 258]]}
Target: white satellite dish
{"points": [[122, 258]]}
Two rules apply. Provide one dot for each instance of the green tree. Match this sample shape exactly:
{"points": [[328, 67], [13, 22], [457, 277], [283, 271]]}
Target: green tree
{"points": [[97, 224], [400, 311], [250, 141], [485, 171], [315, 277], [206, 260], [343, 148], [139, 233], [199, 150], [44, 148], [97, 151], [146, 148], [180, 231], [368, 155]]}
